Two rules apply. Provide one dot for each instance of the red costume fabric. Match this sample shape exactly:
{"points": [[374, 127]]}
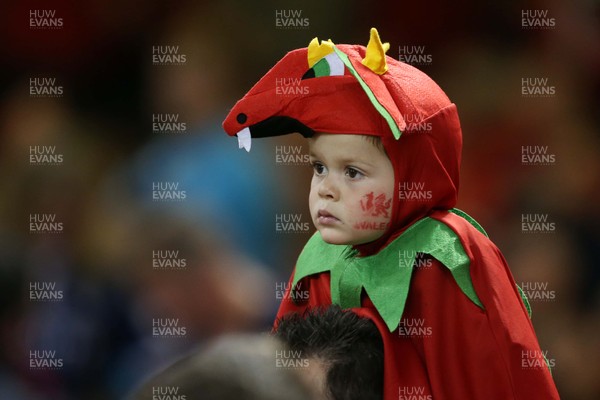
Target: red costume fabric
{"points": [[446, 346]]}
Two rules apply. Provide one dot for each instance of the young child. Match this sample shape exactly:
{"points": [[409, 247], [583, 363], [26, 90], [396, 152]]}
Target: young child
{"points": [[385, 143]]}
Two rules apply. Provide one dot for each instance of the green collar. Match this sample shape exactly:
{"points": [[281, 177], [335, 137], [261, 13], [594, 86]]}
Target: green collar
{"points": [[385, 276]]}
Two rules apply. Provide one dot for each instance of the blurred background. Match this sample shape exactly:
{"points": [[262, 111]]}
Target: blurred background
{"points": [[132, 229]]}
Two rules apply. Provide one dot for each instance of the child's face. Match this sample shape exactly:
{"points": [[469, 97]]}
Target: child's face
{"points": [[351, 190]]}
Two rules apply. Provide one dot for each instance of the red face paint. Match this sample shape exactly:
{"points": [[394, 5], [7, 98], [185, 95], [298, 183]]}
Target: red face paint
{"points": [[371, 226], [375, 206]]}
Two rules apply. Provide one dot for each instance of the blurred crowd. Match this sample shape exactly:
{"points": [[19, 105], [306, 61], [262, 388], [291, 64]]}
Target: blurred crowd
{"points": [[231, 256]]}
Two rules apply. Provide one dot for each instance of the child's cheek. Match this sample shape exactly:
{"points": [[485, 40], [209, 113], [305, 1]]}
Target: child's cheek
{"points": [[373, 212]]}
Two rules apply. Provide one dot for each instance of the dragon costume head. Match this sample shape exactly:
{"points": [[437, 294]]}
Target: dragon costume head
{"points": [[352, 89]]}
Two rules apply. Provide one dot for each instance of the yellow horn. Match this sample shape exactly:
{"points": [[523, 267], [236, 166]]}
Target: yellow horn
{"points": [[375, 56], [317, 51]]}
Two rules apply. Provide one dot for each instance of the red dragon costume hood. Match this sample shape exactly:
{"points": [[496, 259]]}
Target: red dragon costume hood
{"points": [[350, 89]]}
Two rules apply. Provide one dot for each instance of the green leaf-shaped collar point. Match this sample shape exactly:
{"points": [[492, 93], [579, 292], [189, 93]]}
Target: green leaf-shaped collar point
{"points": [[386, 276]]}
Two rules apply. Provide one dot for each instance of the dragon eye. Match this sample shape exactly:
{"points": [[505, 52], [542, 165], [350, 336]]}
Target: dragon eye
{"points": [[241, 118], [330, 65]]}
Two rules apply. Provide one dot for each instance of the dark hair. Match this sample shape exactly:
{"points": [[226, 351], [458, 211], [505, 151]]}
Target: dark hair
{"points": [[349, 346]]}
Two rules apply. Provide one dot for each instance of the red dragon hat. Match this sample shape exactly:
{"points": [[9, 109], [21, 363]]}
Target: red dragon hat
{"points": [[352, 89]]}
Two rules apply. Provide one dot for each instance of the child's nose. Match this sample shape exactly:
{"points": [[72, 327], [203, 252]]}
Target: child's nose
{"points": [[329, 188]]}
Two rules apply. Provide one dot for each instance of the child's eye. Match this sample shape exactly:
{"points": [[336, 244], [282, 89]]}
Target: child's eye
{"points": [[319, 168], [353, 173]]}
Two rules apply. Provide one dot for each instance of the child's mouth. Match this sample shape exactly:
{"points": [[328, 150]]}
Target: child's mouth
{"points": [[326, 218]]}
